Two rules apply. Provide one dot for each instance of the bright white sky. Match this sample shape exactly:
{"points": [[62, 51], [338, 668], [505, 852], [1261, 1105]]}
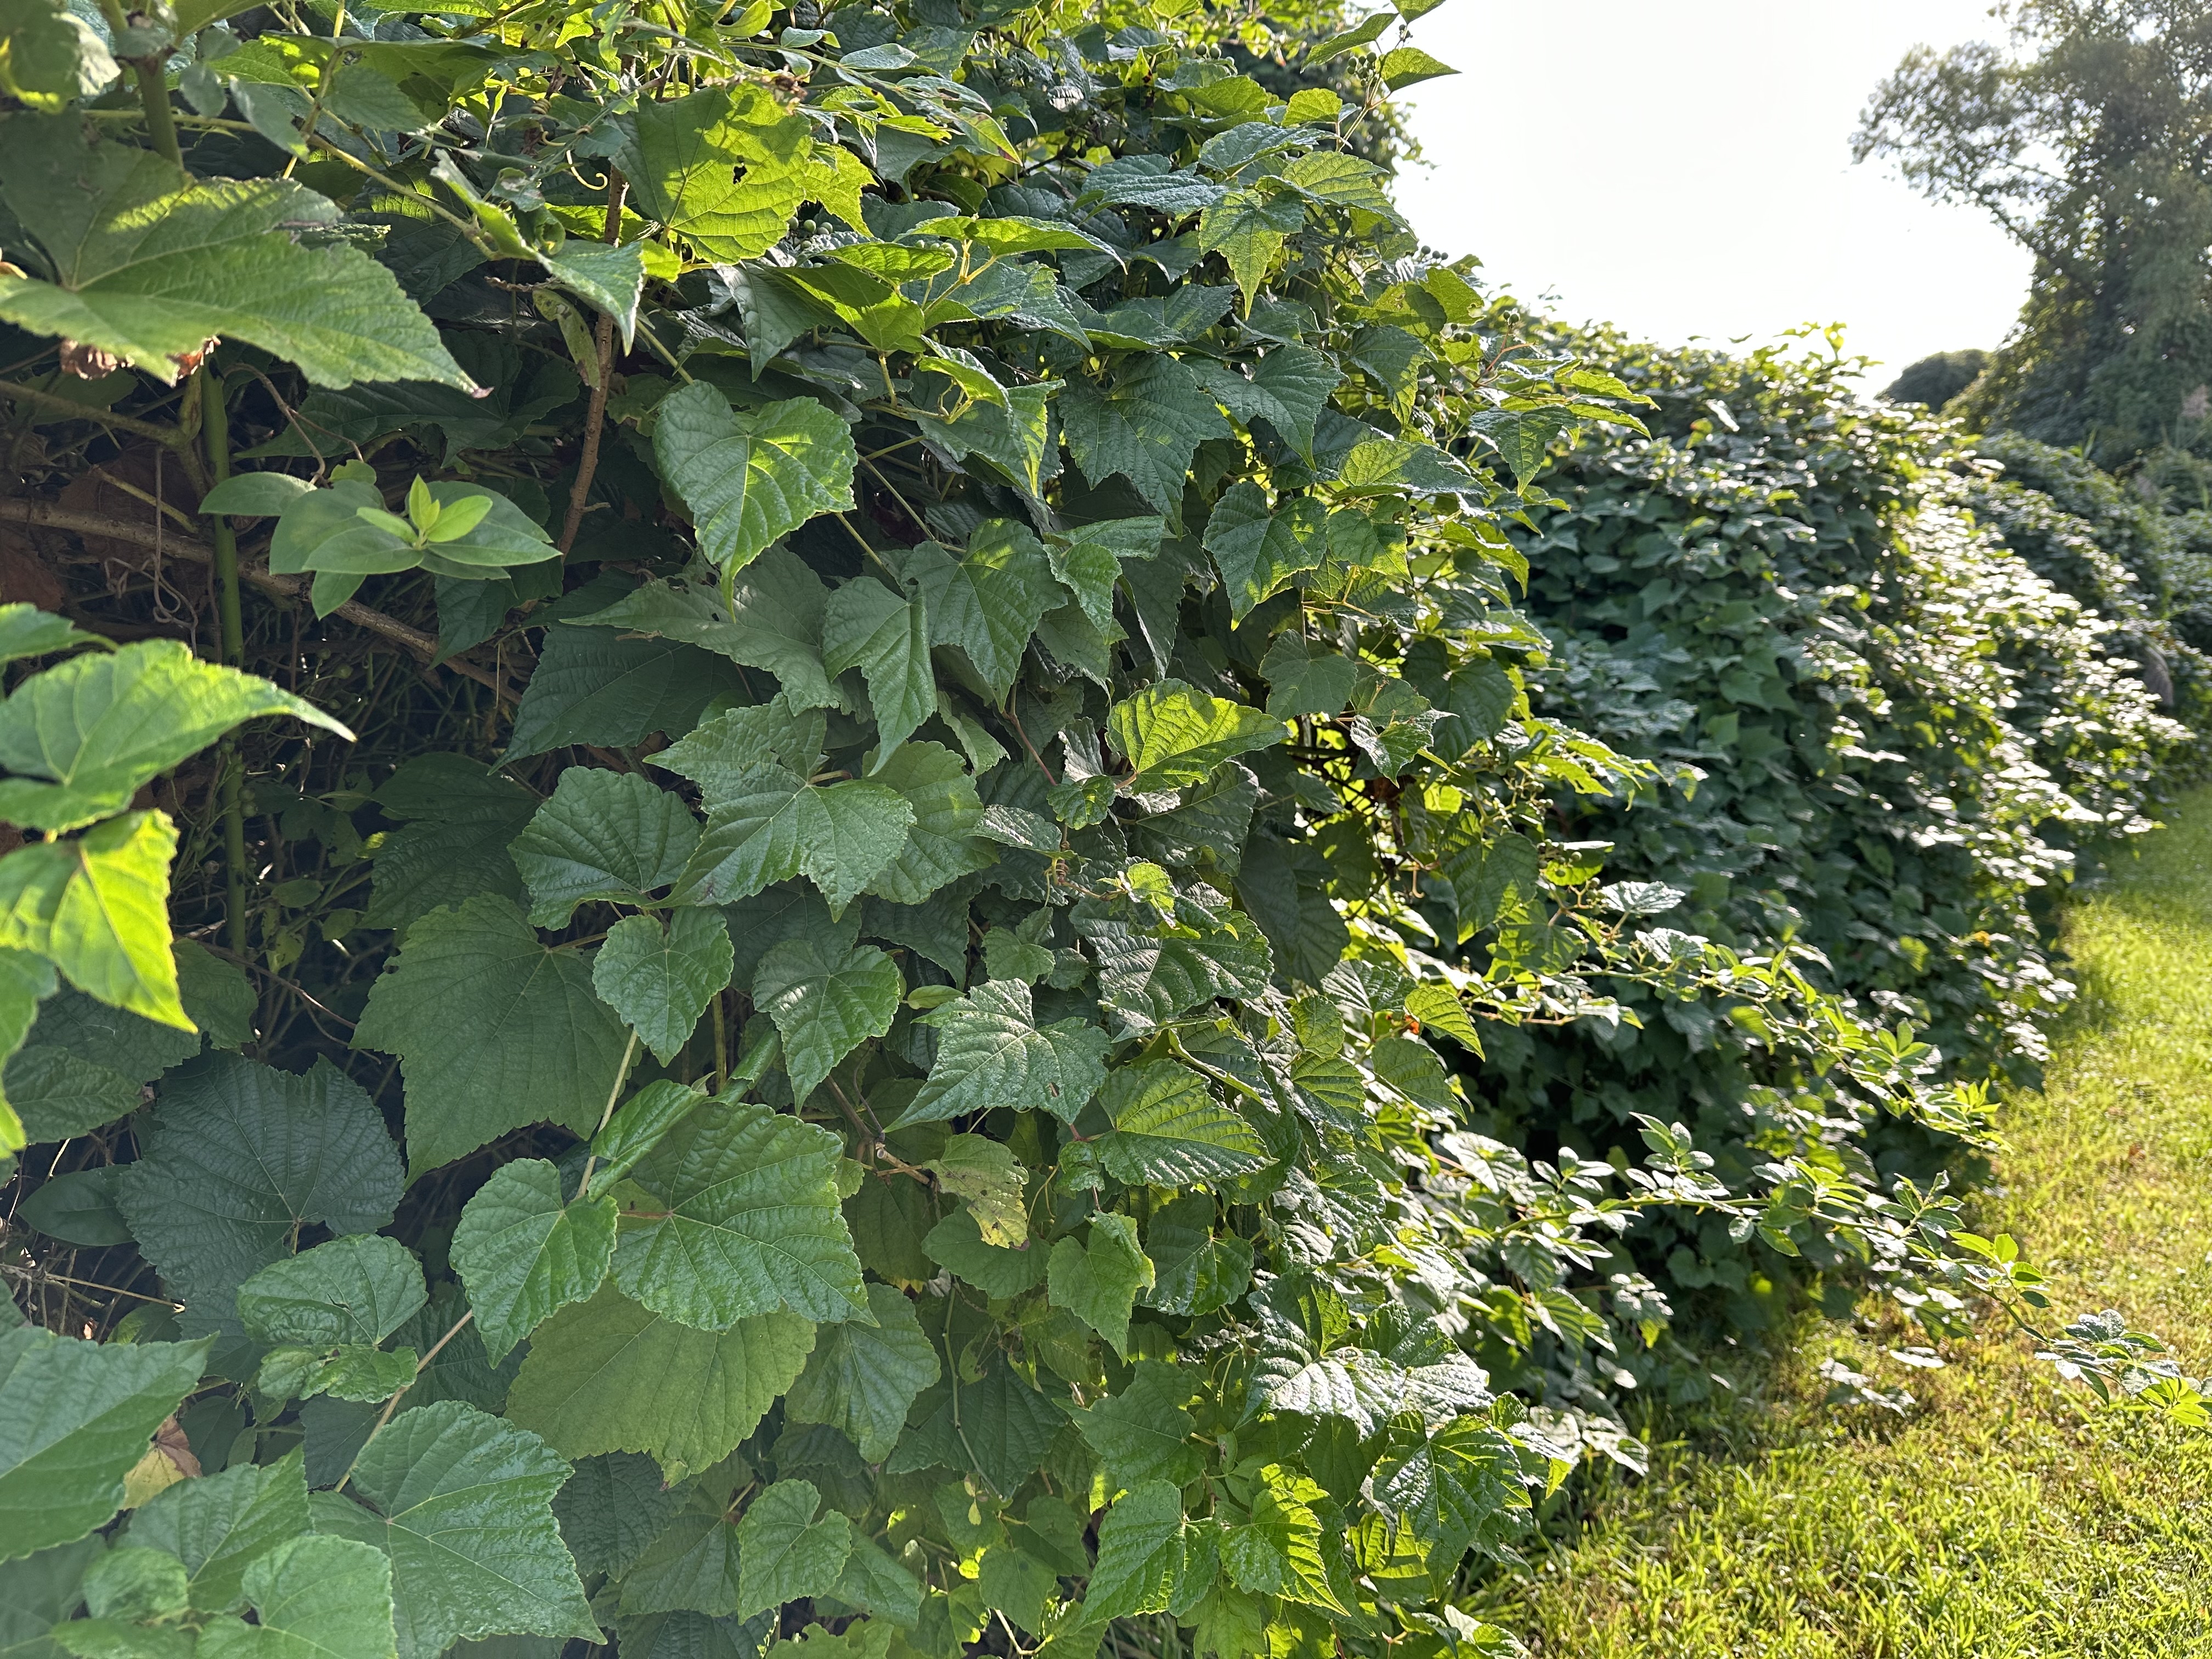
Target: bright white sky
{"points": [[1684, 170]]}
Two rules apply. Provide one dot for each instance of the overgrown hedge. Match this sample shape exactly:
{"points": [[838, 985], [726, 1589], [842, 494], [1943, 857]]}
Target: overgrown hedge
{"points": [[1882, 736], [838, 1044]]}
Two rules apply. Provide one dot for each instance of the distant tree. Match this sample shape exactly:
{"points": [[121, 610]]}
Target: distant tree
{"points": [[2089, 140], [1934, 382]]}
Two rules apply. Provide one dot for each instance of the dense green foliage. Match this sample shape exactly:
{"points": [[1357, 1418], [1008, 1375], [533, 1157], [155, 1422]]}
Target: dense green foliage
{"points": [[2091, 143], [1935, 381], [841, 1062], [1879, 733]]}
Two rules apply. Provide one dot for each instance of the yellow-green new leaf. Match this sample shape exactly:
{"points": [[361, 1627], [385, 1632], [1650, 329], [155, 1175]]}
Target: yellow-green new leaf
{"points": [[97, 907], [1172, 734], [101, 726], [725, 168]]}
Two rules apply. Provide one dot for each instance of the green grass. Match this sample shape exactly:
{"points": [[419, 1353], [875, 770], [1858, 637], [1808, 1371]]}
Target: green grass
{"points": [[2007, 1515]]}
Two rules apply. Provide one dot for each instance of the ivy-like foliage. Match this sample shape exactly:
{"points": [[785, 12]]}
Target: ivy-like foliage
{"points": [[877, 1101], [1884, 737]]}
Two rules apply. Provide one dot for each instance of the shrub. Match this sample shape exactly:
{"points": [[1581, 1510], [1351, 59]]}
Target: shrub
{"points": [[1935, 381], [842, 1062], [1878, 733]]}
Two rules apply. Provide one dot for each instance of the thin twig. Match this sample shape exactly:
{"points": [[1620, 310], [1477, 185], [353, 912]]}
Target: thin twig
{"points": [[174, 437], [392, 1404], [603, 343], [50, 516]]}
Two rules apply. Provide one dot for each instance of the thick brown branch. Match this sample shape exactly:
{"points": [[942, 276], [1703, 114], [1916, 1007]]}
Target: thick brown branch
{"points": [[170, 545]]}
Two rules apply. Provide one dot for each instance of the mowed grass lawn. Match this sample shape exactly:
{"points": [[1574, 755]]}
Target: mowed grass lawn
{"points": [[2008, 1516]]}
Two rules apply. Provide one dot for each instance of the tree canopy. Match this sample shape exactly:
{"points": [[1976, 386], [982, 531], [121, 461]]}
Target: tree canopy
{"points": [[2089, 138]]}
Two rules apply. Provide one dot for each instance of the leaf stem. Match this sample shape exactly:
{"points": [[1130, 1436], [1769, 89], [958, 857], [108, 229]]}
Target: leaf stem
{"points": [[214, 431], [621, 1075], [161, 120], [588, 462]]}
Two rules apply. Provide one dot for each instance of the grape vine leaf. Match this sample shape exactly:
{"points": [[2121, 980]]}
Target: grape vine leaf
{"points": [[593, 685], [641, 1124], [725, 168], [38, 1591], [1098, 1281], [958, 1243], [690, 1565], [97, 907], [863, 1379], [1198, 1272], [1147, 428], [749, 478], [1172, 734], [606, 835], [997, 1425], [461, 1502], [75, 1417], [826, 998], [354, 1290], [1284, 1549], [238, 1156], [613, 1507], [313, 1598], [753, 1221], [101, 726], [1288, 389], [1448, 1485], [887, 637], [1143, 1433], [1140, 1554], [609, 1374], [492, 1031], [783, 1553], [722, 755], [773, 621], [150, 263], [986, 1174], [1259, 547], [991, 1052], [775, 825], [660, 981], [219, 1523], [875, 1584], [524, 1256], [987, 602], [944, 842], [458, 819], [1169, 1131]]}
